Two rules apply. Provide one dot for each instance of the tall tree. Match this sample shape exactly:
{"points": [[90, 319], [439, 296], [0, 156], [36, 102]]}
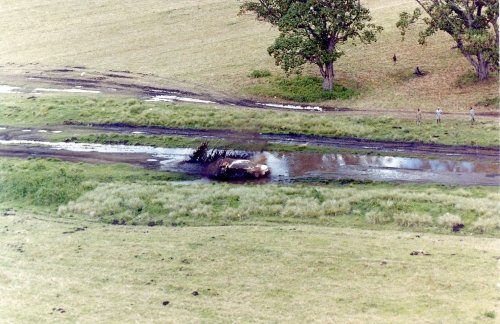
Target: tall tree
{"points": [[473, 24], [311, 31]]}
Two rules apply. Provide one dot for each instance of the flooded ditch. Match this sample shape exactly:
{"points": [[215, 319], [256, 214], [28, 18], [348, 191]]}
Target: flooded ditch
{"points": [[285, 167]]}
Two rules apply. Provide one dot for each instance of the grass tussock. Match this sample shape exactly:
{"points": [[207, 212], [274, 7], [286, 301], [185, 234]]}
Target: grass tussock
{"points": [[486, 224], [413, 220], [224, 204], [449, 220], [301, 89], [257, 74]]}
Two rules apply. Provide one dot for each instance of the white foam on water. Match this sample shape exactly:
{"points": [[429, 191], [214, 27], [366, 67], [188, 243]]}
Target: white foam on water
{"points": [[42, 131], [137, 132], [56, 131], [313, 108], [8, 89], [177, 98], [2, 128], [26, 130], [72, 90]]}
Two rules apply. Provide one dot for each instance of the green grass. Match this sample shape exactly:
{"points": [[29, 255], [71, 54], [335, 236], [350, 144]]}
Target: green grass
{"points": [[125, 139], [15, 110], [294, 274], [48, 183], [301, 89]]}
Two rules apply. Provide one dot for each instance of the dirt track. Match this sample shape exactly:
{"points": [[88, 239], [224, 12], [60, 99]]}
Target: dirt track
{"points": [[147, 86], [440, 150]]}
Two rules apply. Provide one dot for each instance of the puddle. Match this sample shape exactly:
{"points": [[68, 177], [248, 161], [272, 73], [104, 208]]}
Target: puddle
{"points": [[287, 167], [76, 89], [166, 98], [9, 89], [71, 90], [313, 108]]}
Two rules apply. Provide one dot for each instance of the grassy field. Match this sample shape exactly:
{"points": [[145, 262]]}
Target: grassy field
{"points": [[50, 110], [304, 253], [66, 271], [205, 45]]}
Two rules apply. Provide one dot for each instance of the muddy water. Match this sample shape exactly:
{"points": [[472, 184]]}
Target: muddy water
{"points": [[285, 167]]}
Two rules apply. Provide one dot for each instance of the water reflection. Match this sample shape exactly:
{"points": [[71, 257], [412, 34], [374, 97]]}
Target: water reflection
{"points": [[302, 164]]}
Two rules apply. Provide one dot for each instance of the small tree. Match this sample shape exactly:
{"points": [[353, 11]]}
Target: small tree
{"points": [[473, 24], [312, 30]]}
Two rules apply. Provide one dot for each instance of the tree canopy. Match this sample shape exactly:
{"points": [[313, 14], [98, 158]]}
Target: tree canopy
{"points": [[312, 30], [473, 25]]}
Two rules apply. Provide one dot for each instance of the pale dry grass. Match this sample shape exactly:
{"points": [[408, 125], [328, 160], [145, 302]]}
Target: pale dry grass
{"points": [[205, 45], [117, 274], [222, 204]]}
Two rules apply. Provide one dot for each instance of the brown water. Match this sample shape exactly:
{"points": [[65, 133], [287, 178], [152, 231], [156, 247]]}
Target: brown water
{"points": [[285, 167]]}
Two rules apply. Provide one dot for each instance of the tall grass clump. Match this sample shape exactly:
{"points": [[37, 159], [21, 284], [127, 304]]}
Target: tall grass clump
{"points": [[256, 74], [413, 219], [449, 220], [224, 204], [486, 224], [377, 217]]}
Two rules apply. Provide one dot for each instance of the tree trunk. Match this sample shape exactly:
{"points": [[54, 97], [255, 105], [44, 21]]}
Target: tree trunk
{"points": [[328, 74], [480, 64], [482, 67]]}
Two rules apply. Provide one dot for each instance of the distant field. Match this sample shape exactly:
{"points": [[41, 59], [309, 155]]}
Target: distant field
{"points": [[205, 45]]}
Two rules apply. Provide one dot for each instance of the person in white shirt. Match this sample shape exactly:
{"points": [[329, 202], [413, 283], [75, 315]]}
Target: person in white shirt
{"points": [[472, 114], [419, 117], [439, 113]]}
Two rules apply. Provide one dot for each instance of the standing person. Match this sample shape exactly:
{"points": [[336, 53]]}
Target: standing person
{"points": [[419, 117], [439, 113], [472, 114]]}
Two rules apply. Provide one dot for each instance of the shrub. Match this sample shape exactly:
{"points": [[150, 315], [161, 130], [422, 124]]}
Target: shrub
{"points": [[260, 74], [412, 219]]}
